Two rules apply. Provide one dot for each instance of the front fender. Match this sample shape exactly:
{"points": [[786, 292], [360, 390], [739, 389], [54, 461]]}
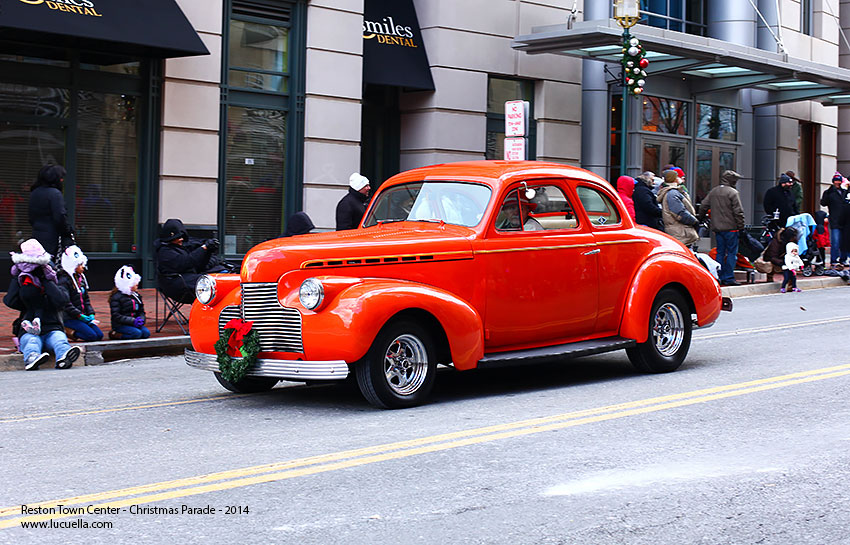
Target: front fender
{"points": [[659, 272], [346, 326]]}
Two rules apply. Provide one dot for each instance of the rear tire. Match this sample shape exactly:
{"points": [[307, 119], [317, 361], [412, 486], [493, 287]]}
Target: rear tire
{"points": [[669, 335], [248, 385], [400, 367]]}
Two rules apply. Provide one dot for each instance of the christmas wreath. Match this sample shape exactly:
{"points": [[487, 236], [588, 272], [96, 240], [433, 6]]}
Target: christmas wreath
{"points": [[237, 350]]}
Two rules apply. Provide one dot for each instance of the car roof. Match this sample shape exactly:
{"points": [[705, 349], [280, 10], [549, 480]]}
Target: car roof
{"points": [[494, 173]]}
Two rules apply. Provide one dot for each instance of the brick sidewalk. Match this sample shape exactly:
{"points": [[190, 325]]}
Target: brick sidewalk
{"points": [[100, 302]]}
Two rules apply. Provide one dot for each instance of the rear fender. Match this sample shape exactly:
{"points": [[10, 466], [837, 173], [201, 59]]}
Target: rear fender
{"points": [[669, 270], [346, 324]]}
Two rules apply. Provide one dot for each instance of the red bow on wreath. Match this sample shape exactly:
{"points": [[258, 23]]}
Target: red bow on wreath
{"points": [[240, 329]]}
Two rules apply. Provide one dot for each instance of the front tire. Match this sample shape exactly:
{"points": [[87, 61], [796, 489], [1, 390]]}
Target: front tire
{"points": [[669, 335], [400, 367], [248, 385]]}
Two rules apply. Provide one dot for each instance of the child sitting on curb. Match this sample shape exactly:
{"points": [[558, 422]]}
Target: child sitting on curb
{"points": [[34, 292], [125, 303], [793, 263], [79, 313]]}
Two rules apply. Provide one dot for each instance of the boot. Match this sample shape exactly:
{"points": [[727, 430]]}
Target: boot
{"points": [[115, 336]]}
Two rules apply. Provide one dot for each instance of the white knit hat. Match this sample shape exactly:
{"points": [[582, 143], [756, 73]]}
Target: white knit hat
{"points": [[357, 181]]}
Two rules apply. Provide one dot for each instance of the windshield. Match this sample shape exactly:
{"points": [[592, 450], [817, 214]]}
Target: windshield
{"points": [[458, 203]]}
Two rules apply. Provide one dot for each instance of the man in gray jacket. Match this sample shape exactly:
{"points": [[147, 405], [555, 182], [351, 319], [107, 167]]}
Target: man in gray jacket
{"points": [[727, 219]]}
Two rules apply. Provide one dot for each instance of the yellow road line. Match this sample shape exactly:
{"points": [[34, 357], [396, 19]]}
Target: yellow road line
{"points": [[392, 451]]}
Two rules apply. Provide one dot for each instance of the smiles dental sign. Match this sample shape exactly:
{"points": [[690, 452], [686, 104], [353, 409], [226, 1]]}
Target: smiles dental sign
{"points": [[387, 32], [74, 7]]}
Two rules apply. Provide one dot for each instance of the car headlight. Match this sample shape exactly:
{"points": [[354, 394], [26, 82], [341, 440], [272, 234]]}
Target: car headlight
{"points": [[311, 293], [205, 289]]}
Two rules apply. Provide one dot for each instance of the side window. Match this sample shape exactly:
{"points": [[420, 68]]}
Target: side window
{"points": [[598, 206], [540, 208]]}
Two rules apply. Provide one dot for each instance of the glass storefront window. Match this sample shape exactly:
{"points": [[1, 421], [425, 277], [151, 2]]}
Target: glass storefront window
{"points": [[34, 60], [33, 101], [24, 149], [717, 123], [665, 115], [258, 56], [256, 150], [499, 91], [107, 172], [125, 68], [680, 15]]}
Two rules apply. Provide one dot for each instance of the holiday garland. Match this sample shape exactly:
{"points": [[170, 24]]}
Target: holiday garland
{"points": [[237, 340]]}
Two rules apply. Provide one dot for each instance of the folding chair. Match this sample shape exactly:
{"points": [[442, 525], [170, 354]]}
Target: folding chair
{"points": [[171, 309]]}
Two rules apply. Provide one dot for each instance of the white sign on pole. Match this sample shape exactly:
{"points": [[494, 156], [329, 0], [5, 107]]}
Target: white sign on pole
{"points": [[515, 149], [516, 118]]}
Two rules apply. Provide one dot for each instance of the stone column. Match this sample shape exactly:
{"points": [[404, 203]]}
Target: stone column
{"points": [[595, 101]]}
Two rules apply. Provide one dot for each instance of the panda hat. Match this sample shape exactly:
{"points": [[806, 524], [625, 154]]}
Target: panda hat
{"points": [[125, 279], [72, 258]]}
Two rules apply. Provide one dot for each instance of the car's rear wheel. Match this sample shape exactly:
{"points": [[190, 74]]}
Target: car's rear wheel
{"points": [[399, 369], [248, 385], [669, 335]]}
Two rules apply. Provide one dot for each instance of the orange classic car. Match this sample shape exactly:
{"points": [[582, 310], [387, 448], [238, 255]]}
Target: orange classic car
{"points": [[466, 265]]}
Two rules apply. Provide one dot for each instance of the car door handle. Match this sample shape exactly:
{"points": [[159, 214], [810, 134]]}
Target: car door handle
{"points": [[591, 252]]}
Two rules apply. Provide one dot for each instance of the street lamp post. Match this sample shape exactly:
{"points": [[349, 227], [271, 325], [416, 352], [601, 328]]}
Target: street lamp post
{"points": [[627, 14]]}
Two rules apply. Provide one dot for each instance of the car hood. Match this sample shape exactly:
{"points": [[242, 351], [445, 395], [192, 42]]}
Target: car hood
{"points": [[396, 243]]}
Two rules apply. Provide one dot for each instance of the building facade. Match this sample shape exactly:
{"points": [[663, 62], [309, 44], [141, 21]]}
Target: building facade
{"points": [[295, 95]]}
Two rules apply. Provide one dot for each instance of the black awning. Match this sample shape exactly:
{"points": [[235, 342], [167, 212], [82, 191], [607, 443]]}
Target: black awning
{"points": [[393, 51], [137, 28]]}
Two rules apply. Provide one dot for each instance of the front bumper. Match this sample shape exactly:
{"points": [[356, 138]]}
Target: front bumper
{"points": [[294, 370]]}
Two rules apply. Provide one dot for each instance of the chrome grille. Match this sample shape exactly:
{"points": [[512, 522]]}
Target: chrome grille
{"points": [[227, 314], [279, 327]]}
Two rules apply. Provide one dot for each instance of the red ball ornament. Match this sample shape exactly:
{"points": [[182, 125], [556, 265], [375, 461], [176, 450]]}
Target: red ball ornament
{"points": [[644, 63]]}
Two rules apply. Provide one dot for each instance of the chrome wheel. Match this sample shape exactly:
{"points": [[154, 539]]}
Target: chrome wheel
{"points": [[668, 329], [406, 364]]}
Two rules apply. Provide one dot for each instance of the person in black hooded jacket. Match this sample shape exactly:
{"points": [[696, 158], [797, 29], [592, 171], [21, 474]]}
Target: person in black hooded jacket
{"points": [[47, 214], [180, 261], [298, 223]]}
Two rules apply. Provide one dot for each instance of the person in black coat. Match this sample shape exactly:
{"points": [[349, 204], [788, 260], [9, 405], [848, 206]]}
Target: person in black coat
{"points": [[647, 209], [126, 307], [34, 292], [47, 214], [180, 261], [352, 207], [781, 197], [834, 198]]}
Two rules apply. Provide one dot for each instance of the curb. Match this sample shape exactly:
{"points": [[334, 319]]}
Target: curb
{"points": [[766, 288], [105, 352]]}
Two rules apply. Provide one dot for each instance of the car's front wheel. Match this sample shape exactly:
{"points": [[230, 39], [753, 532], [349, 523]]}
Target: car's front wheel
{"points": [[248, 385], [398, 371], [669, 335]]}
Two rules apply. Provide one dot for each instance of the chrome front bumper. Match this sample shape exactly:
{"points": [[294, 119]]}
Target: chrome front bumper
{"points": [[295, 370]]}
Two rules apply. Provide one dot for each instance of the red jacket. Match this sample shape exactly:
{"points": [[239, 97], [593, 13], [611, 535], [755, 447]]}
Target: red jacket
{"points": [[625, 187]]}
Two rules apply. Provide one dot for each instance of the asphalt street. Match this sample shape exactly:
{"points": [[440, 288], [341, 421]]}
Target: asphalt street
{"points": [[746, 443]]}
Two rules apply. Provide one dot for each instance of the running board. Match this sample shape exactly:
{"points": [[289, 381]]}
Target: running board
{"points": [[569, 350]]}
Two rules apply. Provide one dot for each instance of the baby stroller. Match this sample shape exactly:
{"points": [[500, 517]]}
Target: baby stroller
{"points": [[813, 258], [771, 226]]}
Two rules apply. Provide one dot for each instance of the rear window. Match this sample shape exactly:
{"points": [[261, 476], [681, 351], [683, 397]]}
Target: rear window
{"points": [[600, 209]]}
